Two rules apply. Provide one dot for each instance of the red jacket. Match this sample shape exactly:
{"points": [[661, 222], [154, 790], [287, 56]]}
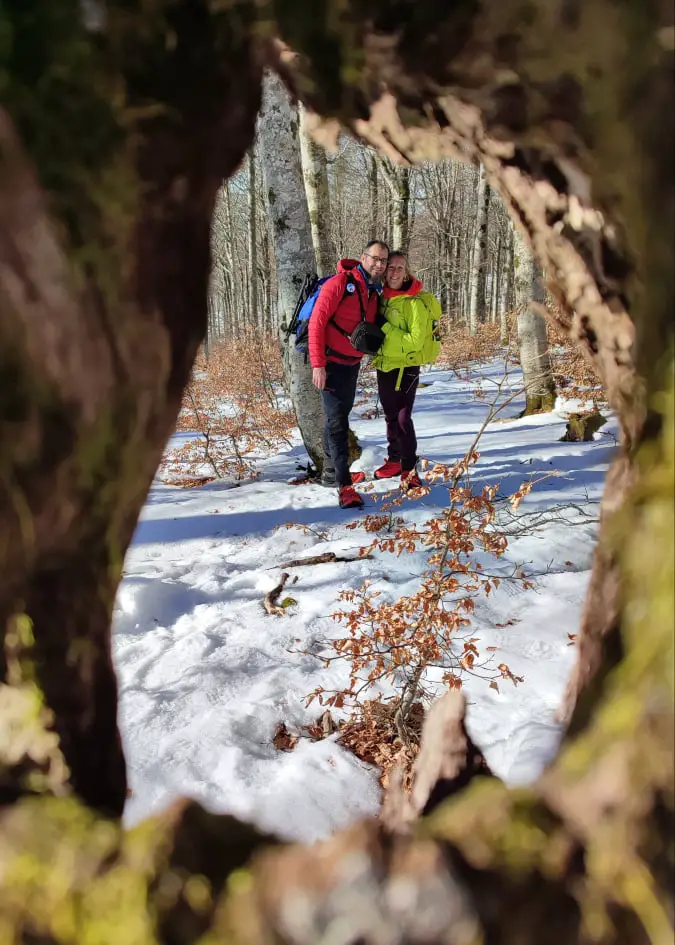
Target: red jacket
{"points": [[338, 306]]}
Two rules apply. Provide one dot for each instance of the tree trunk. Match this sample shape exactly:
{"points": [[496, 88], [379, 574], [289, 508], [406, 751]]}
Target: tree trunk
{"points": [[389, 222], [479, 251], [318, 199], [506, 258], [253, 307], [412, 208], [397, 177], [338, 202], [220, 284], [373, 197], [483, 293], [266, 267], [453, 286], [495, 272], [401, 208], [104, 240], [293, 249], [535, 359], [103, 300], [229, 259]]}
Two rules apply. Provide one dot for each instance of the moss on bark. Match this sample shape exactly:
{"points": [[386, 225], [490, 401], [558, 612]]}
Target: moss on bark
{"points": [[539, 403], [581, 428], [354, 447], [109, 171]]}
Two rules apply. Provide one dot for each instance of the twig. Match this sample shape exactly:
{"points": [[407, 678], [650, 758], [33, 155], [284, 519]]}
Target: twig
{"points": [[327, 557], [271, 600]]}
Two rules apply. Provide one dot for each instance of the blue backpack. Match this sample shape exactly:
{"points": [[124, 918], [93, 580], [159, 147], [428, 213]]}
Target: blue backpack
{"points": [[309, 293]]}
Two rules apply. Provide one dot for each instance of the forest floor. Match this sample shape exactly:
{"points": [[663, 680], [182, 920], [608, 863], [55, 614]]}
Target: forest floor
{"points": [[206, 675]]}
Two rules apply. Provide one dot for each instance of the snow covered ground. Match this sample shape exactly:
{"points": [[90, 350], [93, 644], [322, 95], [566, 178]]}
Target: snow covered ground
{"points": [[206, 675]]}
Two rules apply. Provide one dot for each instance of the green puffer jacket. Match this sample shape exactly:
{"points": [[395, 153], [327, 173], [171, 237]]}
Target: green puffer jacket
{"points": [[410, 328]]}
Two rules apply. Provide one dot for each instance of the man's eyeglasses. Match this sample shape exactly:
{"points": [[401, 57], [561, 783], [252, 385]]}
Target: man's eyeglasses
{"points": [[377, 258]]}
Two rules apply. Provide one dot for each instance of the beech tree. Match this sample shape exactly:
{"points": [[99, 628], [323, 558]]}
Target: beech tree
{"points": [[397, 177], [436, 220], [252, 240], [239, 249], [479, 250], [111, 164], [440, 182], [293, 248], [371, 163], [315, 175], [504, 276], [532, 338]]}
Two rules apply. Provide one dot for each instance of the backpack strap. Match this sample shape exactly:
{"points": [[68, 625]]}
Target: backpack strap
{"points": [[304, 294], [350, 281], [358, 295]]}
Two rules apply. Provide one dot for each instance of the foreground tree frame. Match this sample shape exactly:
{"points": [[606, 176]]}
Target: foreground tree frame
{"points": [[115, 134]]}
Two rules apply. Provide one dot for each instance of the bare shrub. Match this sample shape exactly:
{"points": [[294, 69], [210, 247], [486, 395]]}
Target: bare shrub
{"points": [[460, 349], [234, 410], [399, 642], [574, 375]]}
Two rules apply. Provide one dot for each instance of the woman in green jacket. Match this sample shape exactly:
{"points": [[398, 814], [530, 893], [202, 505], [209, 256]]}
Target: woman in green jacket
{"points": [[411, 317]]}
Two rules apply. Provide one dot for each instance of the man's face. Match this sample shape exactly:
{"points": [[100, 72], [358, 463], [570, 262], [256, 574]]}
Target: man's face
{"points": [[374, 261]]}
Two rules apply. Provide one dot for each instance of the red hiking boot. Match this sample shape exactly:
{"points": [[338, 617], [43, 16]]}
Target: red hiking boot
{"points": [[358, 476], [410, 480], [349, 498], [390, 469]]}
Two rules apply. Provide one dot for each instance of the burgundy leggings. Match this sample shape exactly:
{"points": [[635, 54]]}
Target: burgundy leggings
{"points": [[398, 407]]}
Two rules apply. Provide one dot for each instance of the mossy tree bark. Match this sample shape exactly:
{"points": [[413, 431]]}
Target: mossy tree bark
{"points": [[110, 166], [582, 427], [103, 281]]}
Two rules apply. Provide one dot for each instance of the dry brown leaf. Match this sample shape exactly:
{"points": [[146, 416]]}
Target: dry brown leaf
{"points": [[283, 740]]}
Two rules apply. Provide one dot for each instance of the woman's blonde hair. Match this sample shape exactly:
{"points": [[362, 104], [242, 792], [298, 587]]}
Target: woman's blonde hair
{"points": [[403, 255]]}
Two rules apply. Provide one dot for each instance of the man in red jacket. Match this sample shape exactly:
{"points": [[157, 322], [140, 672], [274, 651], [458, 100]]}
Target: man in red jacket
{"points": [[344, 299]]}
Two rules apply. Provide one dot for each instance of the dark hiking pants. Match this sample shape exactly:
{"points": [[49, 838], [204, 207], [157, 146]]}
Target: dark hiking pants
{"points": [[338, 400], [398, 407]]}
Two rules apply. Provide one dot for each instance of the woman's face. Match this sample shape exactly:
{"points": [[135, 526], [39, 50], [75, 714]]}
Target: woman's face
{"points": [[397, 272]]}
